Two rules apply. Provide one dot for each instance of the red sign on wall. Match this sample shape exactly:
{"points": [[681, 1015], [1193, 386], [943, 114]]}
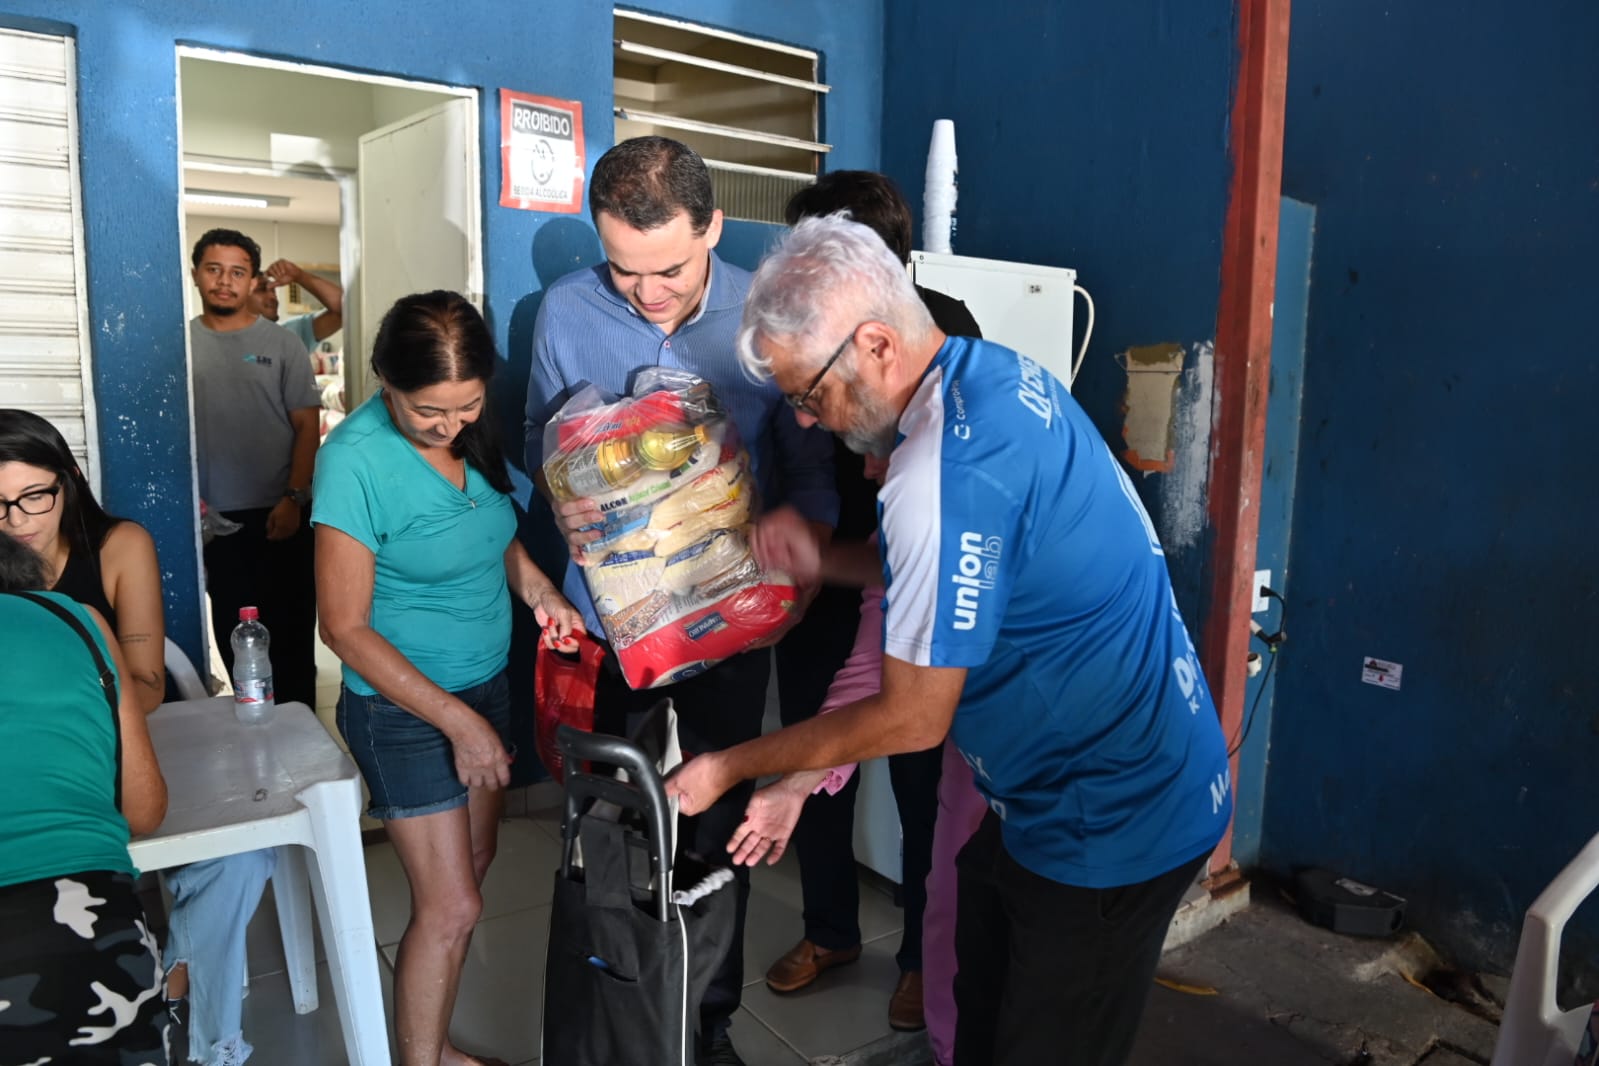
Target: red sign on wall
{"points": [[541, 153]]}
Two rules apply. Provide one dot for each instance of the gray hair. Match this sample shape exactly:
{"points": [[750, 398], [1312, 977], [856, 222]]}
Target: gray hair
{"points": [[826, 275]]}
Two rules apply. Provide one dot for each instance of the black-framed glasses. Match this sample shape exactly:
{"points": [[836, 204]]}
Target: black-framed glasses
{"points": [[802, 402], [39, 501]]}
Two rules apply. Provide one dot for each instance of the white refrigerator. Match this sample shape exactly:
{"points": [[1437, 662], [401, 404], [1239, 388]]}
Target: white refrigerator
{"points": [[1024, 307]]}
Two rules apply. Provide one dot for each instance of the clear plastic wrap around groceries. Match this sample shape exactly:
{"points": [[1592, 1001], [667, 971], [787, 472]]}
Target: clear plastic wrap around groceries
{"points": [[671, 573]]}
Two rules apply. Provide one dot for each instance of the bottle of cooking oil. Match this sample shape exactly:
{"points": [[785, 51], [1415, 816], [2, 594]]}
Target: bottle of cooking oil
{"points": [[669, 446], [594, 469], [612, 464]]}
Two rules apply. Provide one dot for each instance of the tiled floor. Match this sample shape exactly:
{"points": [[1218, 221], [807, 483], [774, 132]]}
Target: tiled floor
{"points": [[499, 1007]]}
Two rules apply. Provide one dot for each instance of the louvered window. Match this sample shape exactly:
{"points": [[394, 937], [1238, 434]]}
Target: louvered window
{"points": [[751, 108], [44, 334]]}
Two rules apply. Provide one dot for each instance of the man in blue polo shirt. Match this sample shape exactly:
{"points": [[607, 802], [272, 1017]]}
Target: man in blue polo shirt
{"points": [[664, 298], [1029, 614]]}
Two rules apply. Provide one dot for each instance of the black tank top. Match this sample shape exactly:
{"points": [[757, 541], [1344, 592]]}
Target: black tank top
{"points": [[81, 580]]}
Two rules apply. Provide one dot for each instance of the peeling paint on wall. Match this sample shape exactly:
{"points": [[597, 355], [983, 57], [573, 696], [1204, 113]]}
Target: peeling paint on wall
{"points": [[1167, 410], [1152, 375], [1184, 489]]}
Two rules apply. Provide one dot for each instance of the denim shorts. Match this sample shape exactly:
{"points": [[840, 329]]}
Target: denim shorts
{"points": [[409, 766]]}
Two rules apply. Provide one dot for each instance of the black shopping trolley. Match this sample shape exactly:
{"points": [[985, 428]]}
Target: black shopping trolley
{"points": [[636, 932]]}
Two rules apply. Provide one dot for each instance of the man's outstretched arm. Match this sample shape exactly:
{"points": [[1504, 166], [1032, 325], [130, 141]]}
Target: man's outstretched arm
{"points": [[912, 712]]}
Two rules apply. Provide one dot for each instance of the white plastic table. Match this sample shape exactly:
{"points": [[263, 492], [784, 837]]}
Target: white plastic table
{"points": [[234, 788]]}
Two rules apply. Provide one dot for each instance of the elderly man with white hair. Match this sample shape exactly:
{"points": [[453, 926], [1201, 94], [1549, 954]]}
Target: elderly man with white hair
{"points": [[1029, 614]]}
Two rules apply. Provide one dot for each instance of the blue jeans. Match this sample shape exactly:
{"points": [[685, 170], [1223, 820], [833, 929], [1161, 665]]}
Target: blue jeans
{"points": [[408, 765], [212, 902]]}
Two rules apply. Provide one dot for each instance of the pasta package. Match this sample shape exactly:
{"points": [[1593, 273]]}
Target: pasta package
{"points": [[671, 573]]}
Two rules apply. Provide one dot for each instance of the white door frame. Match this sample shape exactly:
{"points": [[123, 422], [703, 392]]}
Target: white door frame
{"points": [[349, 241]]}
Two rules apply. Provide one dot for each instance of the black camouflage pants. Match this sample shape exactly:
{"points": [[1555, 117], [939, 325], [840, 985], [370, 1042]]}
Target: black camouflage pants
{"points": [[80, 974]]}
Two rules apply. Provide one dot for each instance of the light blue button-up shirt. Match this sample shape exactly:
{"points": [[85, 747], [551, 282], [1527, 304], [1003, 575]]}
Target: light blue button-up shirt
{"points": [[588, 333]]}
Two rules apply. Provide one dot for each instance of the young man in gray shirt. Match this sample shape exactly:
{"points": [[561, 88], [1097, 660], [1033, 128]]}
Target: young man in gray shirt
{"points": [[256, 414]]}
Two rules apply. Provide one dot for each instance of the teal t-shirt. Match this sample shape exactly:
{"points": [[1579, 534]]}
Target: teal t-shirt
{"points": [[439, 593], [304, 327], [58, 749]]}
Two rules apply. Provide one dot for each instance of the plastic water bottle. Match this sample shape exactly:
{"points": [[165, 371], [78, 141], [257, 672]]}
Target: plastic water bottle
{"points": [[252, 669]]}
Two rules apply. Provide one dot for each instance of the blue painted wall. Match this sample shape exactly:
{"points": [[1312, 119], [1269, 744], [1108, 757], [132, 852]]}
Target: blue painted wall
{"points": [[1444, 516], [128, 127], [1279, 475], [1092, 136]]}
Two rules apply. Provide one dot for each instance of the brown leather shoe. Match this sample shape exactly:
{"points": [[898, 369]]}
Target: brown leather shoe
{"points": [[805, 962], [905, 1005]]}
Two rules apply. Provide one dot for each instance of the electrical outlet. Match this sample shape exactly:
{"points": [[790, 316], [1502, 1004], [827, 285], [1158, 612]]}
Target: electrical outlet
{"points": [[1262, 580]]}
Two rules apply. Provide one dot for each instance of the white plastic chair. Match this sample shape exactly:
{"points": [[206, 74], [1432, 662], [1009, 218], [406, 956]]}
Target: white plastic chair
{"points": [[1535, 1031], [184, 675]]}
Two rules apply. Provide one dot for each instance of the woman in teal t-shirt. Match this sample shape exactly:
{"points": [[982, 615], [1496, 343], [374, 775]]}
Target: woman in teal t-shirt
{"points": [[416, 558]]}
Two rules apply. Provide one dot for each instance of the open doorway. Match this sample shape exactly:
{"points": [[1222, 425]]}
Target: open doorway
{"points": [[365, 182], [296, 219]]}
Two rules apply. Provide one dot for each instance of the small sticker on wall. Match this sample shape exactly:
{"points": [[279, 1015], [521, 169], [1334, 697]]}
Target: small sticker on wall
{"points": [[1382, 673]]}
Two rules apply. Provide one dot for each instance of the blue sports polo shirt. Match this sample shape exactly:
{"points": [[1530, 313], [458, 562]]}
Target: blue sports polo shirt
{"points": [[1014, 545]]}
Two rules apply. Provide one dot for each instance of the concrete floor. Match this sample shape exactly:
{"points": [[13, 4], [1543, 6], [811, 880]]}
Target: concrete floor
{"points": [[1266, 988], [1288, 992]]}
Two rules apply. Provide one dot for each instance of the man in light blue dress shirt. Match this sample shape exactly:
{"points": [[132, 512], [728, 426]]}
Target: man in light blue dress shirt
{"points": [[664, 298]]}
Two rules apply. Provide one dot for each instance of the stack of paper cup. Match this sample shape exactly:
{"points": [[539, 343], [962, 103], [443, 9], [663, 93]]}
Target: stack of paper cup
{"points": [[938, 194]]}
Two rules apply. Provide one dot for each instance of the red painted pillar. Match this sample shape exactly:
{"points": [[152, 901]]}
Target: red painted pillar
{"points": [[1243, 357]]}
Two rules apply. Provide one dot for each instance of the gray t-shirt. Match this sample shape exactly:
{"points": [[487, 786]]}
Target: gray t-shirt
{"points": [[245, 384]]}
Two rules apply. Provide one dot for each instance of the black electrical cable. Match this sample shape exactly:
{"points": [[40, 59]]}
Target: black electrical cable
{"points": [[1249, 719], [1271, 640]]}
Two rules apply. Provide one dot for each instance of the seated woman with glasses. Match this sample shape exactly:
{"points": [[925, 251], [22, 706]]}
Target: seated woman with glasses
{"points": [[80, 974], [416, 561], [102, 562], [110, 564]]}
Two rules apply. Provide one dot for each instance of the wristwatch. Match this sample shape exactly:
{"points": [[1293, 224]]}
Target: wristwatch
{"points": [[301, 497]]}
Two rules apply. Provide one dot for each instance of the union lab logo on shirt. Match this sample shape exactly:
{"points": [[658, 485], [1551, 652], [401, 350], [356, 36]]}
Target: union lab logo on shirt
{"points": [[260, 360], [975, 572]]}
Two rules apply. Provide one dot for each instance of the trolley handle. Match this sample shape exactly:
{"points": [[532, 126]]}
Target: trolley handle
{"points": [[576, 744], [643, 793]]}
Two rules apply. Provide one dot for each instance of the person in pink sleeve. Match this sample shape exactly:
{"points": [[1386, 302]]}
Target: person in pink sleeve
{"points": [[960, 811]]}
